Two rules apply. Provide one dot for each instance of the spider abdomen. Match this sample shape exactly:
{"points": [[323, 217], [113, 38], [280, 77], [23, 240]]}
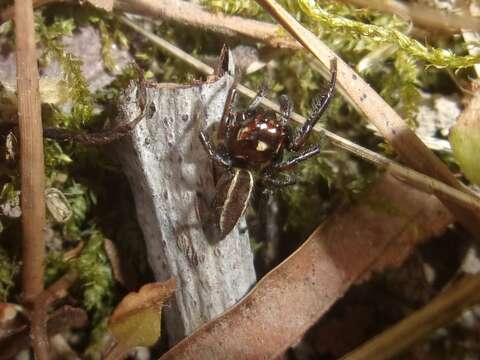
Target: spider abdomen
{"points": [[257, 140], [232, 196]]}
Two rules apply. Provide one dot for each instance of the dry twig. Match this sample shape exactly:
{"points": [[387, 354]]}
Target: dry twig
{"points": [[103, 137], [187, 13], [39, 315], [31, 152], [440, 312], [191, 14]]}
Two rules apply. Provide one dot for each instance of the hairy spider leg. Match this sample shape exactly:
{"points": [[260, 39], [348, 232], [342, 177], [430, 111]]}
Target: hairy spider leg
{"points": [[269, 173], [219, 157], [319, 105], [225, 121], [290, 163], [258, 98], [268, 180], [231, 119], [286, 108]]}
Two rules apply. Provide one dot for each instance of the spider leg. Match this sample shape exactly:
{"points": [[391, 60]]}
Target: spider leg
{"points": [[319, 105], [219, 157], [227, 110], [286, 108], [269, 181], [302, 156], [258, 98]]}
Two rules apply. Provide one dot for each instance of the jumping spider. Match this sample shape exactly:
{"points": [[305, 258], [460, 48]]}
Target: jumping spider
{"points": [[252, 147]]}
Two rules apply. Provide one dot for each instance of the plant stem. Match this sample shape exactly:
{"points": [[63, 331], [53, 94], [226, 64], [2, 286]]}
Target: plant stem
{"points": [[441, 311], [31, 152], [39, 317], [191, 14]]}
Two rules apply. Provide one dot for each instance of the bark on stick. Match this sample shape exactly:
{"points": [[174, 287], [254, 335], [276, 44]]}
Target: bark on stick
{"points": [[171, 178]]}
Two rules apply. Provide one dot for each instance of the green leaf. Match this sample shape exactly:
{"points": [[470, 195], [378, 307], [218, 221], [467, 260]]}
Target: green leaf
{"points": [[465, 141]]}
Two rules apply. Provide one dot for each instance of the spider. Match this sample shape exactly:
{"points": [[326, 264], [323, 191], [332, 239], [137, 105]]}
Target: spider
{"points": [[251, 147]]}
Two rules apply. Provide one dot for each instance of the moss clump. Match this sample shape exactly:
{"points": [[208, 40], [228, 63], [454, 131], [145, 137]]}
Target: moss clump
{"points": [[50, 37], [95, 284], [8, 269], [386, 35], [235, 7], [96, 277], [81, 199]]}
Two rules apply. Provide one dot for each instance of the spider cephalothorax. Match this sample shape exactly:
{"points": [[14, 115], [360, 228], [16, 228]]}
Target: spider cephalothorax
{"points": [[251, 147]]}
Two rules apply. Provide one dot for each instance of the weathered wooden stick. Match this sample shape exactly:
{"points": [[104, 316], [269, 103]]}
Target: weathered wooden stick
{"points": [[171, 178]]}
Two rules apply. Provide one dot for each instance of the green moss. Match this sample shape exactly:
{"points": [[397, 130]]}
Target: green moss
{"points": [[322, 183], [95, 275], [8, 269], [50, 37], [385, 35], [9, 191], [98, 340], [95, 286], [56, 266], [107, 43], [111, 34], [96, 283], [55, 155], [81, 199], [390, 70], [234, 7]]}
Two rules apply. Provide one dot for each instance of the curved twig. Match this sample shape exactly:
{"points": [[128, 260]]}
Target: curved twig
{"points": [[191, 14], [39, 315], [444, 309]]}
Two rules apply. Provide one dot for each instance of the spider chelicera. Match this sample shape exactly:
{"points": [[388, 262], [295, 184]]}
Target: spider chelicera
{"points": [[251, 147]]}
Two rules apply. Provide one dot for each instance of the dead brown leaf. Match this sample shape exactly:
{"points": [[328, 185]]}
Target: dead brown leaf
{"points": [[365, 237], [136, 321], [74, 252], [149, 295], [126, 277], [11, 319]]}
